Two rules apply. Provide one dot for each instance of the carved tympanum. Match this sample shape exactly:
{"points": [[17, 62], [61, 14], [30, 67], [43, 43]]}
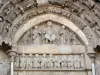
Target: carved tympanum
{"points": [[50, 33]]}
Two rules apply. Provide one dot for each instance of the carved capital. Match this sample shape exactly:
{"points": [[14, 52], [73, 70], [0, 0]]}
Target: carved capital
{"points": [[92, 56], [13, 52]]}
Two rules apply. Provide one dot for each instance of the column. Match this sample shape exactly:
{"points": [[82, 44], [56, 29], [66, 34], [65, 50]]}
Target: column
{"points": [[12, 53], [92, 56]]}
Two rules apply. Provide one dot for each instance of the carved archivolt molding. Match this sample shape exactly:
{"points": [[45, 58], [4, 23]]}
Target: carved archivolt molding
{"points": [[14, 15]]}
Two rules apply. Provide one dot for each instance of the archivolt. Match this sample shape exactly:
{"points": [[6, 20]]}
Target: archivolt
{"points": [[39, 19]]}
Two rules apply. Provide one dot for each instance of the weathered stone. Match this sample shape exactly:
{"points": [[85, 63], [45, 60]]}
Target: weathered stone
{"points": [[63, 44]]}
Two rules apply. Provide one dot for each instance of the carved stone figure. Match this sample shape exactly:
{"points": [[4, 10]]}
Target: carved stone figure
{"points": [[64, 63], [44, 61], [23, 61], [49, 33], [70, 62], [26, 4], [87, 16], [96, 11], [50, 61], [29, 62], [89, 36], [57, 62], [36, 61], [88, 3], [75, 40], [36, 36], [76, 62], [81, 62], [96, 29], [63, 35], [6, 29], [26, 37], [8, 9], [14, 30]]}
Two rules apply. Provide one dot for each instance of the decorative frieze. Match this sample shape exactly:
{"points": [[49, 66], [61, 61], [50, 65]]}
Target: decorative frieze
{"points": [[49, 62]]}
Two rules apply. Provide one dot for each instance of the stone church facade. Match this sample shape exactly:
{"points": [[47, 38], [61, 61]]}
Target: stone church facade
{"points": [[49, 37]]}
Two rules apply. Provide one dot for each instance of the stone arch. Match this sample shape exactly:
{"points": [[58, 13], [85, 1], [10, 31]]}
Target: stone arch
{"points": [[38, 19]]}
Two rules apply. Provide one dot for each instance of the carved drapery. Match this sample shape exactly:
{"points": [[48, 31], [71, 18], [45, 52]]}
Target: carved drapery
{"points": [[49, 62], [50, 33]]}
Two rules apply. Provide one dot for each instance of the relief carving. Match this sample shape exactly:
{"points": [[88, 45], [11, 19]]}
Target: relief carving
{"points": [[29, 62], [50, 33], [88, 3], [96, 29], [63, 35], [57, 62], [50, 62], [36, 36], [36, 61], [58, 2], [45, 61], [89, 36], [6, 29], [23, 61], [26, 37], [8, 9], [96, 11], [26, 4]]}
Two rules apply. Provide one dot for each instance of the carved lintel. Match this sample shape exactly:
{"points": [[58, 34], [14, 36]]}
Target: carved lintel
{"points": [[49, 62]]}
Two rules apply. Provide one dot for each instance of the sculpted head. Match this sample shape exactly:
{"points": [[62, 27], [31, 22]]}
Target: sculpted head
{"points": [[37, 55], [63, 27], [44, 55], [23, 54], [49, 23], [30, 55], [50, 55]]}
